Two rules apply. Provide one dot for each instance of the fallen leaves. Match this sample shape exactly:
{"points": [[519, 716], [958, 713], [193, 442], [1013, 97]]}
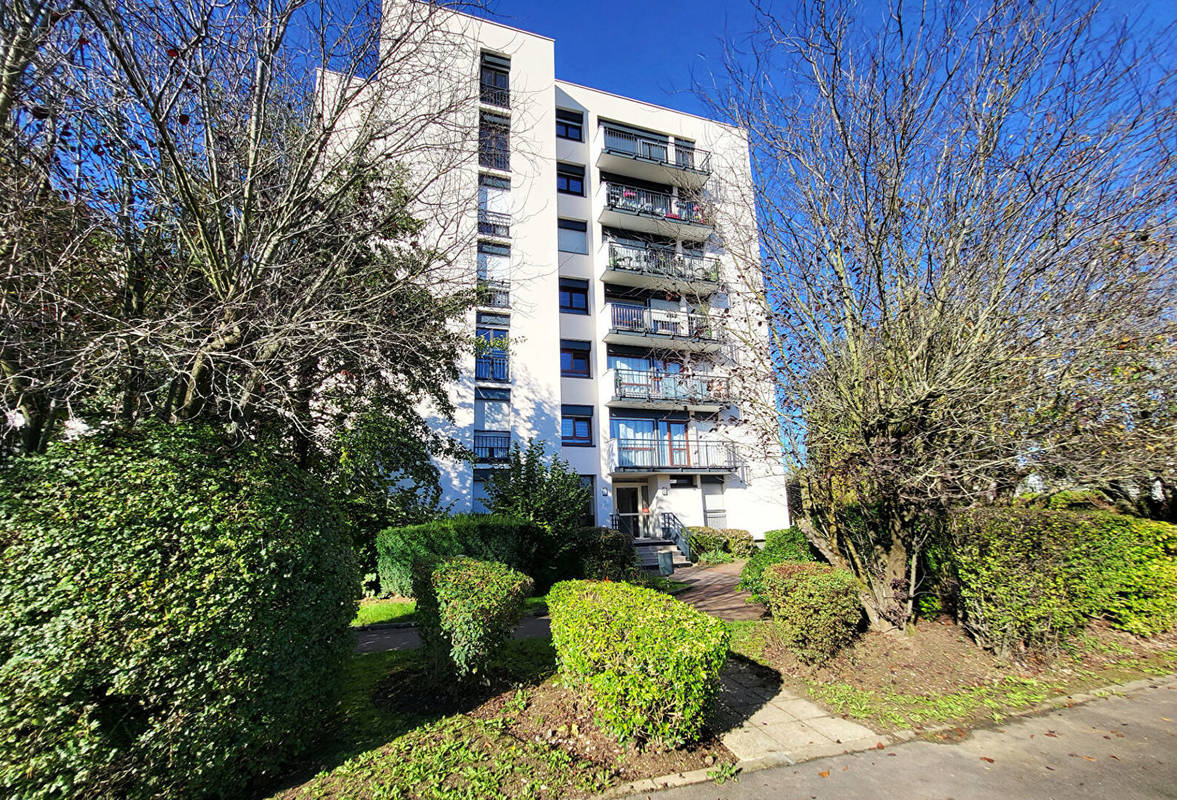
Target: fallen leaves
{"points": [[825, 773], [986, 759]]}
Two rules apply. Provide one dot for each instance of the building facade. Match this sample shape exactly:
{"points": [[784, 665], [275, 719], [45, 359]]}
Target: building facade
{"points": [[604, 290]]}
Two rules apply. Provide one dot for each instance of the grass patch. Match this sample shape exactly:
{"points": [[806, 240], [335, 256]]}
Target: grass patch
{"points": [[373, 611]]}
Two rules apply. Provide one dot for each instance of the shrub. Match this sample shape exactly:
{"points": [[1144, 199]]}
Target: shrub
{"points": [[711, 557], [816, 608], [649, 663], [702, 539], [466, 611], [491, 538], [738, 542], [606, 554], [786, 544], [1031, 577], [173, 616]]}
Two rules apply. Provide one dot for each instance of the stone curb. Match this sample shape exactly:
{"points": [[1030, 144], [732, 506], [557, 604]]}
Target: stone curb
{"points": [[755, 765]]}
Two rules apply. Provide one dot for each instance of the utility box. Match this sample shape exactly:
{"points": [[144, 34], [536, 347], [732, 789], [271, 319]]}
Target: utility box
{"points": [[666, 563]]}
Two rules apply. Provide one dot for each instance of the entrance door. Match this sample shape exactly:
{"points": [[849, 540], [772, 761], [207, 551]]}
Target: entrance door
{"points": [[677, 450], [631, 506]]}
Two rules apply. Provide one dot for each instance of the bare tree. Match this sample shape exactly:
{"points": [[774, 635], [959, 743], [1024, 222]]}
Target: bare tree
{"points": [[966, 261], [263, 259]]}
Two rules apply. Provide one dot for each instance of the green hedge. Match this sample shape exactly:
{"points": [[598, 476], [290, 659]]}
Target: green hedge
{"points": [[649, 663], [703, 539], [606, 554], [1030, 577], [173, 616], [816, 608], [785, 544], [490, 538], [466, 612]]}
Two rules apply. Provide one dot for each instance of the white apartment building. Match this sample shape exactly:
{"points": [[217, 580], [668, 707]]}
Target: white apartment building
{"points": [[604, 295]]}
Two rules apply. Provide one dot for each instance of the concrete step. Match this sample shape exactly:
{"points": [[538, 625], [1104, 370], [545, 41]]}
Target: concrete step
{"points": [[647, 552]]}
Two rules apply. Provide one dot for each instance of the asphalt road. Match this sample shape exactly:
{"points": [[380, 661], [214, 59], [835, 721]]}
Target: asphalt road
{"points": [[1121, 748]]}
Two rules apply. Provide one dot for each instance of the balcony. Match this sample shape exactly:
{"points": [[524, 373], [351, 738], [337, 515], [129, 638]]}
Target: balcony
{"points": [[492, 447], [652, 211], [653, 158], [659, 454], [654, 327], [650, 389], [656, 267], [494, 224], [498, 96], [498, 158], [492, 368], [494, 294]]}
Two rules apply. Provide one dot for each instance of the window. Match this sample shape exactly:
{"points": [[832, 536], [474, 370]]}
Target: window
{"points": [[492, 409], [495, 80], [494, 142], [570, 179], [589, 518], [681, 481], [574, 358], [576, 426], [572, 236], [573, 296], [570, 125], [494, 261], [492, 362]]}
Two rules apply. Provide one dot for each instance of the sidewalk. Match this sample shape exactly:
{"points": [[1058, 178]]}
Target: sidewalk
{"points": [[1122, 747]]}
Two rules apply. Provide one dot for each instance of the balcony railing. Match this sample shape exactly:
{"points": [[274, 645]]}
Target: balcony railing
{"points": [[494, 294], [657, 322], [492, 368], [494, 158], [495, 95], [632, 384], [661, 262], [651, 203], [660, 151], [492, 446], [493, 223], [656, 452]]}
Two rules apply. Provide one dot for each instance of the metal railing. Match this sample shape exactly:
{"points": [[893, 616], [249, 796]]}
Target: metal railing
{"points": [[658, 452], [492, 446], [662, 262], [494, 294], [633, 384], [651, 203], [494, 158], [669, 528], [657, 322], [494, 223], [675, 531], [660, 151], [495, 95], [492, 368]]}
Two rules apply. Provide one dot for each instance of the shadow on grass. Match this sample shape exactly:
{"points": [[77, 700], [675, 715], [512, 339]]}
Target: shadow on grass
{"points": [[368, 718]]}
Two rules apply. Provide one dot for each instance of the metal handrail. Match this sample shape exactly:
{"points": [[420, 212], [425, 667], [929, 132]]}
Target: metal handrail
{"points": [[657, 452], [662, 262], [492, 368], [660, 151], [675, 531], [657, 322], [633, 384], [495, 95], [494, 158], [492, 446], [494, 294], [494, 223], [649, 202]]}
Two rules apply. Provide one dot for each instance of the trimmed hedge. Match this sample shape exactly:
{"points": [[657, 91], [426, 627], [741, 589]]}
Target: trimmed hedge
{"points": [[703, 539], [649, 663], [173, 616], [1029, 577], [486, 537], [466, 611], [606, 554], [785, 544], [816, 608]]}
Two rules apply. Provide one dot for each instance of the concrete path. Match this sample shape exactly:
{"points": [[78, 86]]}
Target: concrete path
{"points": [[1120, 747]]}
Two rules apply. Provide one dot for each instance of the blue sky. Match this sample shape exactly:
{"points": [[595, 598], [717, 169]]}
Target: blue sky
{"points": [[649, 51]]}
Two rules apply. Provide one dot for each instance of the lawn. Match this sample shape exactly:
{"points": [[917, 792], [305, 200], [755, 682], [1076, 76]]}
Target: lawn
{"points": [[934, 675], [373, 611]]}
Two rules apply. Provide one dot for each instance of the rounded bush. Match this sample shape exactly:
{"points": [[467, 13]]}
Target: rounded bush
{"points": [[738, 542], [705, 540], [466, 612], [786, 544], [649, 663], [606, 554], [173, 616], [816, 608]]}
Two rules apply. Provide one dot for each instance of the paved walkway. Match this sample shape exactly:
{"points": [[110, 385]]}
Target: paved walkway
{"points": [[713, 589], [1121, 747], [377, 640]]}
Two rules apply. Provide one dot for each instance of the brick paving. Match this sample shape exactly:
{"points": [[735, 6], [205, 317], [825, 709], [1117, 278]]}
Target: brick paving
{"points": [[713, 589]]}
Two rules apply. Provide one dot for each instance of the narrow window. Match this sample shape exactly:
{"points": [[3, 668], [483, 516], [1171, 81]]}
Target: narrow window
{"points": [[573, 296], [576, 426], [573, 236], [570, 125], [589, 517], [495, 80], [570, 179], [494, 142], [574, 358]]}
